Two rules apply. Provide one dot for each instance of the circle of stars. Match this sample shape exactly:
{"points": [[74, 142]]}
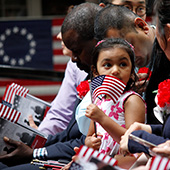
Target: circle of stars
{"points": [[32, 45]]}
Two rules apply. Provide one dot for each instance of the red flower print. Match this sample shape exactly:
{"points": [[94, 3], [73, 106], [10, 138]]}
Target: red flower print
{"points": [[115, 110]]}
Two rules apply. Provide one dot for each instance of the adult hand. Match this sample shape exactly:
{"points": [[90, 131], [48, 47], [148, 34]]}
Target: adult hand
{"points": [[124, 139], [22, 153], [141, 83], [31, 122], [162, 149]]}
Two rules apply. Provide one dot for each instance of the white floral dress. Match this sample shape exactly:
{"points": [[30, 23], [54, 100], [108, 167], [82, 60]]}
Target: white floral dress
{"points": [[116, 113]]}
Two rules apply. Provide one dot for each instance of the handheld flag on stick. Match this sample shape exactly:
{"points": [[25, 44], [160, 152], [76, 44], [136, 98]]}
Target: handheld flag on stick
{"points": [[92, 102], [108, 85]]}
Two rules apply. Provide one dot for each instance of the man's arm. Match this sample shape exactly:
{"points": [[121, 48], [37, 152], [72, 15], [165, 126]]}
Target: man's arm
{"points": [[60, 113]]}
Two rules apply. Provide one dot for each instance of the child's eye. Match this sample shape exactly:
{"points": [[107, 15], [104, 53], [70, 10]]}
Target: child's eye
{"points": [[123, 64], [107, 65]]}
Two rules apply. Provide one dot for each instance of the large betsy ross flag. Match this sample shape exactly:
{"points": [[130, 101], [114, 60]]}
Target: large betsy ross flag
{"points": [[33, 44]]}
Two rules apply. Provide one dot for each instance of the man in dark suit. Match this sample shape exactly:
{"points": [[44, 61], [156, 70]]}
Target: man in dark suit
{"points": [[78, 35]]}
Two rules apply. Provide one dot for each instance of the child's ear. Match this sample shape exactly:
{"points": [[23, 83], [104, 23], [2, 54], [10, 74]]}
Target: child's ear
{"points": [[94, 71], [141, 24]]}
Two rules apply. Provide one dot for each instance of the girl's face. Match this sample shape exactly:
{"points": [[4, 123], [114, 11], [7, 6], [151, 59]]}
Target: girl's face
{"points": [[115, 62]]}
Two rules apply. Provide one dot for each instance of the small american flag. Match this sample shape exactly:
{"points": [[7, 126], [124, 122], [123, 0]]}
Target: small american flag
{"points": [[86, 153], [9, 113], [12, 90], [108, 85], [160, 163]]}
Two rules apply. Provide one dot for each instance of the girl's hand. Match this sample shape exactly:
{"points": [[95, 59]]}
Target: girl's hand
{"points": [[94, 113], [162, 149], [93, 142]]}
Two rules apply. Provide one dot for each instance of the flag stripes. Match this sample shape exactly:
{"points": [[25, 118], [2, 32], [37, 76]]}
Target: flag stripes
{"points": [[159, 163], [86, 153], [108, 85], [9, 113], [12, 90]]}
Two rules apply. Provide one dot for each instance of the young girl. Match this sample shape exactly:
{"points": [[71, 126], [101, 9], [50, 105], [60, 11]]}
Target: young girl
{"points": [[113, 57]]}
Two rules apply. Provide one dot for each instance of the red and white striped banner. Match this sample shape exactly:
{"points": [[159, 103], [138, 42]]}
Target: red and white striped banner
{"points": [[160, 163], [9, 113], [86, 153], [12, 90]]}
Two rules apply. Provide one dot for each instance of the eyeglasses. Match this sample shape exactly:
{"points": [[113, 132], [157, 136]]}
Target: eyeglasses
{"points": [[140, 10]]}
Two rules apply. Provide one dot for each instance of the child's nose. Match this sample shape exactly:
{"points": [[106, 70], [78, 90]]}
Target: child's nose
{"points": [[115, 70]]}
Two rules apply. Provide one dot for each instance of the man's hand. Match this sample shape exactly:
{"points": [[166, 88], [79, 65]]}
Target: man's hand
{"points": [[22, 153]]}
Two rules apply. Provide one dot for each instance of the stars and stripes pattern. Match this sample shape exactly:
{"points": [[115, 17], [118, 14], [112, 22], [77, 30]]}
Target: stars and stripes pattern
{"points": [[86, 153], [159, 163], [12, 90], [108, 85], [9, 113], [35, 54]]}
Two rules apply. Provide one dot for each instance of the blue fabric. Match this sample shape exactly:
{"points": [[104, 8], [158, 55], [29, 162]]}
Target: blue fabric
{"points": [[83, 121], [155, 137]]}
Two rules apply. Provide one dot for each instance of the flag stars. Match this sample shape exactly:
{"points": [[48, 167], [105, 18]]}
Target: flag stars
{"points": [[1, 44], [6, 58], [29, 36], [2, 37], [32, 44], [15, 30], [1, 52], [8, 32], [21, 62], [32, 51], [23, 31], [27, 58], [13, 62]]}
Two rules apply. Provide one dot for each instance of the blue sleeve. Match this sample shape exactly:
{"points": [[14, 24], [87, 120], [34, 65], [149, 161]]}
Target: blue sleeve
{"points": [[64, 150], [156, 129], [135, 147]]}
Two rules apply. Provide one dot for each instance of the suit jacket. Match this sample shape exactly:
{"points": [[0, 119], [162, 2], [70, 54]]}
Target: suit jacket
{"points": [[61, 145], [160, 134]]}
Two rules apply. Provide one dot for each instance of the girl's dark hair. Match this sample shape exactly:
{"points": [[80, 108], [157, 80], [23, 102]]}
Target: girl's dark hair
{"points": [[159, 65], [109, 43]]}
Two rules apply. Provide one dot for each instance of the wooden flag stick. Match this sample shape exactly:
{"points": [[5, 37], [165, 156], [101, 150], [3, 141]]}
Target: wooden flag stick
{"points": [[95, 130]]}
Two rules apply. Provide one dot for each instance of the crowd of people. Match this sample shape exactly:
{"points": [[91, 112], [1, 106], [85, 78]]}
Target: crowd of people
{"points": [[109, 40]]}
